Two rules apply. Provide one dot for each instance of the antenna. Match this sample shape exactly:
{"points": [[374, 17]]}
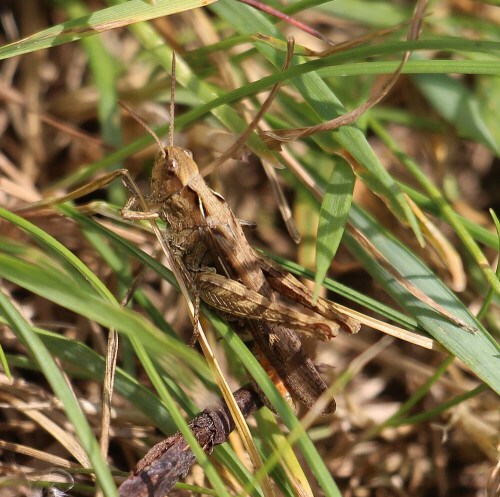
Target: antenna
{"points": [[172, 109], [145, 126], [172, 105]]}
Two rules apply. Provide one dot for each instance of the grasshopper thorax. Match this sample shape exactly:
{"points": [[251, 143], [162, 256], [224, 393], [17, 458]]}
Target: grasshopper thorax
{"points": [[174, 169]]}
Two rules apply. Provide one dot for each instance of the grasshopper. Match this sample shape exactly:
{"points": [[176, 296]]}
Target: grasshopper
{"points": [[220, 267]]}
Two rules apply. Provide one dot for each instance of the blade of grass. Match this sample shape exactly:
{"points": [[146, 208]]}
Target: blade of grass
{"points": [[58, 384], [332, 218], [442, 204], [457, 105], [408, 404], [101, 20], [479, 233], [5, 364], [55, 247], [378, 14], [273, 435], [432, 413], [490, 294], [479, 352]]}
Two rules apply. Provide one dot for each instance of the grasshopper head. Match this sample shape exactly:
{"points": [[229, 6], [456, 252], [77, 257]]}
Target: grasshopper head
{"points": [[172, 171]]}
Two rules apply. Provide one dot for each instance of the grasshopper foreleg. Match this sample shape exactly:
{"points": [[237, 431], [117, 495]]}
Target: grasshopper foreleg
{"points": [[129, 210]]}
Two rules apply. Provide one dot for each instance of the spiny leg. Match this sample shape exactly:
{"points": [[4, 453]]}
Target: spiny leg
{"points": [[235, 299], [196, 331]]}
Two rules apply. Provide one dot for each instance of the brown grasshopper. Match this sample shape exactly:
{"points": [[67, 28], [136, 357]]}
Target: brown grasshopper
{"points": [[219, 266]]}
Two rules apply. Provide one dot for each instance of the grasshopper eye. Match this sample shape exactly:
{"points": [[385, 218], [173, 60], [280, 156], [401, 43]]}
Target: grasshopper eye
{"points": [[172, 164], [188, 153]]}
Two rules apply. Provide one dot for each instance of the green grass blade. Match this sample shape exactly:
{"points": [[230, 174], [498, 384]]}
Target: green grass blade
{"points": [[119, 15], [332, 218], [54, 246], [5, 364], [42, 281], [491, 293], [438, 410], [408, 404], [444, 207], [457, 105], [377, 14], [58, 384], [326, 105], [479, 352], [281, 448]]}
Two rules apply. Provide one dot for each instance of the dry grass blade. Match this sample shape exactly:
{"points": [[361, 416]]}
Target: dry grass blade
{"points": [[75, 194], [238, 144], [107, 393], [61, 435], [493, 486], [110, 371], [268, 163], [38, 454], [288, 19], [205, 346], [389, 329], [445, 249], [239, 419], [339, 47], [274, 138]]}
